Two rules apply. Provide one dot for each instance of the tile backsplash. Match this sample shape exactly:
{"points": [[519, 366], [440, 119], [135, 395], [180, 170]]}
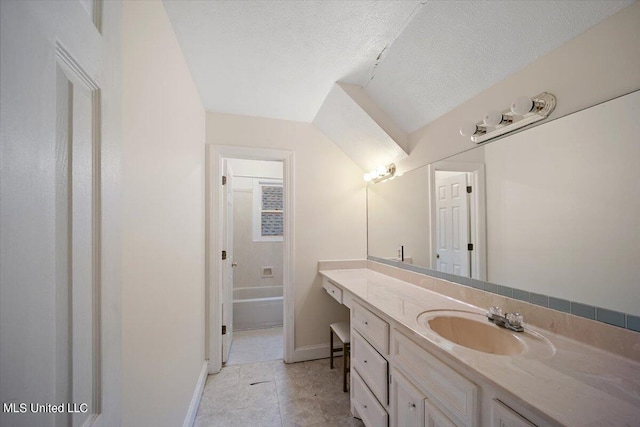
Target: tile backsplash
{"points": [[599, 314]]}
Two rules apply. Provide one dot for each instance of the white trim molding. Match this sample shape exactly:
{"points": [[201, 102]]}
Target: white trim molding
{"points": [[311, 352], [197, 395], [215, 155]]}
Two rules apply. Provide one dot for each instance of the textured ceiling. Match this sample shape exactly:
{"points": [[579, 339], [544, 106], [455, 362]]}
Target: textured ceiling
{"points": [[280, 59], [452, 51]]}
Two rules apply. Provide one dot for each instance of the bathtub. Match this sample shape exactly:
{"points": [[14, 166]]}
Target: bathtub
{"points": [[257, 307]]}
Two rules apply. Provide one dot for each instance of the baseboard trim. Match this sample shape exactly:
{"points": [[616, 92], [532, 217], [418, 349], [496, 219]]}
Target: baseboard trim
{"points": [[197, 394], [311, 352]]}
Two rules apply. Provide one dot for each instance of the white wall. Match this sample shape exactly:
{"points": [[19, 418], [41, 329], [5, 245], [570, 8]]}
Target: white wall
{"points": [[600, 64], [163, 222], [254, 168], [28, 215], [329, 203]]}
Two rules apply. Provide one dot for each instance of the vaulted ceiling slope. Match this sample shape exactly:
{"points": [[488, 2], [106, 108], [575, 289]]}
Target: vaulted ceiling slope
{"points": [[417, 60], [453, 50]]}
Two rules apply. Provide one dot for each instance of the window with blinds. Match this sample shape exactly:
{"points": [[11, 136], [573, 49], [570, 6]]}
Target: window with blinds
{"points": [[268, 211]]}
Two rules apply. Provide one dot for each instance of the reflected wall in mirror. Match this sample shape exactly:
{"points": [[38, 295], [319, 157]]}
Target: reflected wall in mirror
{"points": [[397, 211], [553, 210]]}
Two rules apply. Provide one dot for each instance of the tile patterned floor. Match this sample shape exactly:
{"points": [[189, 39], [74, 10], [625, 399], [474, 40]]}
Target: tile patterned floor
{"points": [[276, 394], [259, 345]]}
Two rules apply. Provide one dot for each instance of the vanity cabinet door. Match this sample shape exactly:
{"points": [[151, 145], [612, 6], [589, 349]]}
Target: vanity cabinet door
{"points": [[503, 416], [407, 403], [434, 418], [455, 396]]}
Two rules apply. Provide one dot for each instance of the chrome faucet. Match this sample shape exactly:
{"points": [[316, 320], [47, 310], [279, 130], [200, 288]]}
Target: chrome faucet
{"points": [[512, 321]]}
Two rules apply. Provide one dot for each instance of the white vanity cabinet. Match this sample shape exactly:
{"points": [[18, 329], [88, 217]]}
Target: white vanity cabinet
{"points": [[424, 391], [503, 416], [370, 367], [366, 406], [407, 402], [452, 398], [334, 291], [403, 375], [371, 327], [337, 293], [411, 408]]}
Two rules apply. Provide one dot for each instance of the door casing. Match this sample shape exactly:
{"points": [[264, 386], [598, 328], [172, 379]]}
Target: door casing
{"points": [[214, 245]]}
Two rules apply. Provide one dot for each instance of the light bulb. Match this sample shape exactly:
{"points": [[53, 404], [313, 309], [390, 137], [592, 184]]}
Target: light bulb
{"points": [[492, 118], [521, 106], [468, 129], [367, 177], [381, 170]]}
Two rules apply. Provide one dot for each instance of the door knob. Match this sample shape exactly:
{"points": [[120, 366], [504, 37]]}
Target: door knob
{"points": [[234, 264], [438, 256]]}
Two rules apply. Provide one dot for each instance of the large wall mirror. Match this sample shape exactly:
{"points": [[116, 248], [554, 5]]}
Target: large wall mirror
{"points": [[553, 210]]}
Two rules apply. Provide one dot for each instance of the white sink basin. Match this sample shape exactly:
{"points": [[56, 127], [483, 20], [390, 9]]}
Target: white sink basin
{"points": [[474, 331]]}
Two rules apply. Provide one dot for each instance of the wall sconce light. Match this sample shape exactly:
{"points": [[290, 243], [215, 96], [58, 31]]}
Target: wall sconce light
{"points": [[523, 112], [380, 174]]}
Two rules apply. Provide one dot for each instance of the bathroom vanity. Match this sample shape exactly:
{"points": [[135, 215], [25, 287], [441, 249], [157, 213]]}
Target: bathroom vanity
{"points": [[406, 373]]}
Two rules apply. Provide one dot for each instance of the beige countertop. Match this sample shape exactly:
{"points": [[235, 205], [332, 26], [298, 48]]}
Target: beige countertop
{"points": [[574, 384]]}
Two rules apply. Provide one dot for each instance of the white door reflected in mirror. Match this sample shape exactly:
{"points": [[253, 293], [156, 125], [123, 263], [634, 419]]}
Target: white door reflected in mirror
{"points": [[452, 223]]}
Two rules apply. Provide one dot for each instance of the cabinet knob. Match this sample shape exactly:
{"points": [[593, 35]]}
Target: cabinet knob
{"points": [[366, 323], [365, 361], [412, 406]]}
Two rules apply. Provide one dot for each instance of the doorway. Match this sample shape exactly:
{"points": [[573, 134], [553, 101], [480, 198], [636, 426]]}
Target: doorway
{"points": [[249, 255], [254, 234]]}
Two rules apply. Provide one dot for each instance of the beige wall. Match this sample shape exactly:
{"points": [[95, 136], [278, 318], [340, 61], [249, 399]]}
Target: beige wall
{"points": [[163, 222], [329, 203], [562, 207], [252, 256], [598, 65], [398, 214]]}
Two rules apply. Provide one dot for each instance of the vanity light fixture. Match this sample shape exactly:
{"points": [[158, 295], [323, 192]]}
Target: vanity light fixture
{"points": [[380, 174], [523, 112]]}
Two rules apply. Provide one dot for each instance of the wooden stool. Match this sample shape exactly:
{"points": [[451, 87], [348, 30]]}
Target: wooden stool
{"points": [[343, 332]]}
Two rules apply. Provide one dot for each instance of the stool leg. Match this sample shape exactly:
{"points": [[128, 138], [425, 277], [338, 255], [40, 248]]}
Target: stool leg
{"points": [[344, 367], [331, 348]]}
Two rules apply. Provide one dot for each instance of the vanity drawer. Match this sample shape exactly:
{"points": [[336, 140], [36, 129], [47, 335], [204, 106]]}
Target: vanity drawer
{"points": [[456, 396], [373, 328], [332, 290], [371, 412], [372, 367]]}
